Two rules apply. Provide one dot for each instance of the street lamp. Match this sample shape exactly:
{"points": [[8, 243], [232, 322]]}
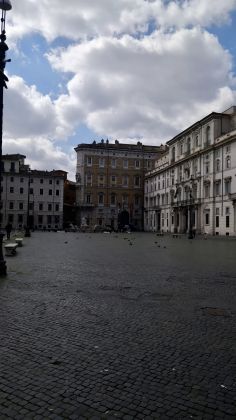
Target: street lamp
{"points": [[5, 5]]}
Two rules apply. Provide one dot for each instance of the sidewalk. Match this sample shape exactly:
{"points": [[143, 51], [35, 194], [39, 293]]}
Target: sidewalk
{"points": [[96, 326]]}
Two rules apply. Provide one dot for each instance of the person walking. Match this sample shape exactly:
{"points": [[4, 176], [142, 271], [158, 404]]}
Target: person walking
{"points": [[8, 230]]}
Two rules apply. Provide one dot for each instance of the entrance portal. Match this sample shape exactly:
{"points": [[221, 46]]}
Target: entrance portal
{"points": [[123, 218]]}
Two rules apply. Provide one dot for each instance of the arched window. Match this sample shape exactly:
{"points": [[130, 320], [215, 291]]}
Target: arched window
{"points": [[208, 135], [173, 154], [188, 145], [179, 194]]}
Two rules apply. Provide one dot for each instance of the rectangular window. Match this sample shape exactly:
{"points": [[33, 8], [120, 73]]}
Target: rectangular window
{"points": [[41, 206], [207, 218], [49, 219], [57, 192], [49, 207], [89, 161], [137, 164], [101, 180], [207, 190], [101, 162], [113, 163], [137, 181], [11, 205], [40, 219], [57, 182], [100, 198], [21, 179], [227, 186], [41, 191], [21, 190], [88, 198], [41, 181], [125, 181], [125, 199], [12, 179], [217, 217], [12, 167], [50, 181], [125, 163], [31, 191], [21, 206], [11, 190], [57, 207], [113, 179], [31, 206], [149, 164], [50, 192], [217, 188], [227, 221]]}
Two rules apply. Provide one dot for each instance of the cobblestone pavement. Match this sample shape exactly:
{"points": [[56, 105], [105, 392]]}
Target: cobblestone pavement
{"points": [[99, 326]]}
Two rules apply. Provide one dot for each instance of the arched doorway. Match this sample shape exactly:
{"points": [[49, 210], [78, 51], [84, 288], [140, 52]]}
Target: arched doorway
{"points": [[123, 219]]}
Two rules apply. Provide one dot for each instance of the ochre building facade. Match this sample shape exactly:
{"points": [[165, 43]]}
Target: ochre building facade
{"points": [[110, 183]]}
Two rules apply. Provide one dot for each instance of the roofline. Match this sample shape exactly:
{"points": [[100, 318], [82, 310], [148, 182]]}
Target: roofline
{"points": [[119, 146], [200, 122]]}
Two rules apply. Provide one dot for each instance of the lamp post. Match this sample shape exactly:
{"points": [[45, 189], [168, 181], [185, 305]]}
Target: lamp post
{"points": [[27, 228], [5, 5]]}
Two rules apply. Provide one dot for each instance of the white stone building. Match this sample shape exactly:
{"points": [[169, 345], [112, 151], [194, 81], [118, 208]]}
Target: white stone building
{"points": [[37, 195], [193, 186]]}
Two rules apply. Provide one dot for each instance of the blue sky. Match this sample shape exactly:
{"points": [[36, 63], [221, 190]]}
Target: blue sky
{"points": [[131, 70]]}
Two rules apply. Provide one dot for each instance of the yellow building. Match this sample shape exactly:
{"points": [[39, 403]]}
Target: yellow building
{"points": [[110, 181]]}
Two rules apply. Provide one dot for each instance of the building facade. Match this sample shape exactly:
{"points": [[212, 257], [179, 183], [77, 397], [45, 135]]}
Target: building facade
{"points": [[193, 185], [110, 182], [30, 195]]}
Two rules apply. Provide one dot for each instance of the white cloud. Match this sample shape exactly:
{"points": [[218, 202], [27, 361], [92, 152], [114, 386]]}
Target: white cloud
{"points": [[145, 88], [41, 153], [125, 84], [32, 127], [83, 19]]}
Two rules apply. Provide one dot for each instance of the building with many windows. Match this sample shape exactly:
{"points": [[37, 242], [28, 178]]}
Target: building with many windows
{"points": [[30, 194], [110, 181], [193, 185]]}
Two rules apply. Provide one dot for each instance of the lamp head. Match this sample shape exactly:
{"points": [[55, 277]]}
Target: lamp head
{"points": [[5, 5]]}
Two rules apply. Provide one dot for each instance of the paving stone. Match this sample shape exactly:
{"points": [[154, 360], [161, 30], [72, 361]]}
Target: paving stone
{"points": [[102, 331]]}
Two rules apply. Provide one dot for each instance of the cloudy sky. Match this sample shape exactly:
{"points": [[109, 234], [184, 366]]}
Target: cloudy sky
{"points": [[130, 70]]}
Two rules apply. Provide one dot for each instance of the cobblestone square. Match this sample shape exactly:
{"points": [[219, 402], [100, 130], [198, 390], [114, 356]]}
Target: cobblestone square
{"points": [[131, 326]]}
